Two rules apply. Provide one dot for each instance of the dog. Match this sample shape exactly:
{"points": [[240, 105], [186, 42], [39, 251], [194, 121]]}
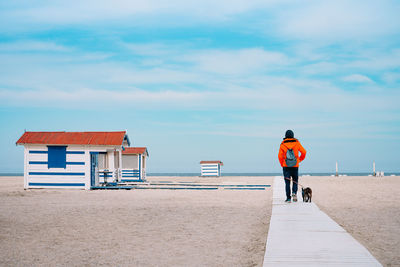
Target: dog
{"points": [[307, 194]]}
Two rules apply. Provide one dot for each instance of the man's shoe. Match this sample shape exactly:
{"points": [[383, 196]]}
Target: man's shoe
{"points": [[288, 200], [294, 196]]}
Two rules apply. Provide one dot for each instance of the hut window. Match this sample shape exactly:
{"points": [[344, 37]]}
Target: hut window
{"points": [[102, 160], [57, 157]]}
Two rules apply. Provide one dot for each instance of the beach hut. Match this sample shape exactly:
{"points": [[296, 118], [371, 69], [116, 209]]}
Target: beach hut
{"points": [[134, 164], [72, 159], [211, 168]]}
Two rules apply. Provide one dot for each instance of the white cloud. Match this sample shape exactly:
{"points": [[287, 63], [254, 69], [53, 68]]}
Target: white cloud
{"points": [[357, 78], [321, 67], [316, 20], [88, 98], [251, 79], [338, 20], [151, 49], [344, 61], [157, 75], [179, 68], [220, 61], [32, 46], [377, 60], [72, 12], [391, 77], [240, 61], [267, 93]]}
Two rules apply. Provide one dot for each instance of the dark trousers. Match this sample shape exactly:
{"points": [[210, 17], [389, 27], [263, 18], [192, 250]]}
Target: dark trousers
{"points": [[291, 172]]}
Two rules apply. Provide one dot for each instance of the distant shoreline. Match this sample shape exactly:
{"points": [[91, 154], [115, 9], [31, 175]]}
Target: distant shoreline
{"points": [[243, 174]]}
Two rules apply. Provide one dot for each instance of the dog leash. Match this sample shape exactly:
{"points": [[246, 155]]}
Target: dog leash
{"points": [[295, 182]]}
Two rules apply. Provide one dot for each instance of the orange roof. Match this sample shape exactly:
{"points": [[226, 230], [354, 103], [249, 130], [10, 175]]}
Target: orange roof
{"points": [[211, 161], [135, 150], [73, 138]]}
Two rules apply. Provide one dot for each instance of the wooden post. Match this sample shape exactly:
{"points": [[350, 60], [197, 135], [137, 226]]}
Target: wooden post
{"points": [[373, 168], [337, 173]]}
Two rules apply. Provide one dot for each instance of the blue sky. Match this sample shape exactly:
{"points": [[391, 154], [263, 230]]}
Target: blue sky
{"points": [[207, 80]]}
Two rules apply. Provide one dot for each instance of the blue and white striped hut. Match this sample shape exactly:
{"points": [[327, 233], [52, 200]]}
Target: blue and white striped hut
{"points": [[72, 159], [211, 167], [134, 164]]}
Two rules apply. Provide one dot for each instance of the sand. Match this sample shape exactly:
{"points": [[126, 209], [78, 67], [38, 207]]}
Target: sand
{"points": [[133, 228], [181, 228], [367, 207]]}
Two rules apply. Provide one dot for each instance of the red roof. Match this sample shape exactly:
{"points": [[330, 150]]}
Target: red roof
{"points": [[73, 138], [134, 150], [212, 162]]}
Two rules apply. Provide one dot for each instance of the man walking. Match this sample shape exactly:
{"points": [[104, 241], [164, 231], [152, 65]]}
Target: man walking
{"points": [[289, 160]]}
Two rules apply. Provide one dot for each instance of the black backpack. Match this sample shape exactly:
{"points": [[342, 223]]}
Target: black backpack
{"points": [[291, 159]]}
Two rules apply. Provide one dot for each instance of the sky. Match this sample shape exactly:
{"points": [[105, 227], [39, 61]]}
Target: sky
{"points": [[207, 80]]}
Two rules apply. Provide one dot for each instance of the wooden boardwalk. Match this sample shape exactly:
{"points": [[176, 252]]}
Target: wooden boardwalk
{"points": [[180, 186], [300, 234]]}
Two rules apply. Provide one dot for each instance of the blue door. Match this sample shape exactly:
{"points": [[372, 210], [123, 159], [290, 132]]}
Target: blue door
{"points": [[94, 162]]}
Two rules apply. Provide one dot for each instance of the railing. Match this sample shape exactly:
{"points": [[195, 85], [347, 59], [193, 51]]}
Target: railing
{"points": [[125, 175], [108, 176], [130, 175]]}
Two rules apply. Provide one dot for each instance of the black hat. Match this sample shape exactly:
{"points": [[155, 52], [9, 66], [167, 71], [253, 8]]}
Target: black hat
{"points": [[289, 134]]}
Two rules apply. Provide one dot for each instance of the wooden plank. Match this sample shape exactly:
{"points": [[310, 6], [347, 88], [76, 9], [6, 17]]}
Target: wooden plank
{"points": [[300, 234]]}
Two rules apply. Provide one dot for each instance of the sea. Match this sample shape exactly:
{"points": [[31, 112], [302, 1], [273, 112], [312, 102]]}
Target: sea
{"points": [[243, 174]]}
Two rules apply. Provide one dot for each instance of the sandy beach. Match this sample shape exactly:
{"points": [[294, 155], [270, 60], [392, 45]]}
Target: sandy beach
{"points": [[366, 207], [181, 227], [134, 228]]}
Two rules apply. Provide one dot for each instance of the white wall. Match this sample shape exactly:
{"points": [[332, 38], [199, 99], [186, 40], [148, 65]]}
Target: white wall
{"points": [[130, 162], [38, 175], [132, 165], [210, 169]]}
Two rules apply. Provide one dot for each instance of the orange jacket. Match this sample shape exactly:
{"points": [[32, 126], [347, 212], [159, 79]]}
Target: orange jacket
{"points": [[294, 144]]}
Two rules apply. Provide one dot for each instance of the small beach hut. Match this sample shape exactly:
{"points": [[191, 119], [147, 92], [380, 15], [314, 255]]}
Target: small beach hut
{"points": [[72, 159], [134, 164], [211, 167]]}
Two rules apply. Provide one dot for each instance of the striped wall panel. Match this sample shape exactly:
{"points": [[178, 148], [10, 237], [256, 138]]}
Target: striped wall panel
{"points": [[210, 170], [39, 175]]}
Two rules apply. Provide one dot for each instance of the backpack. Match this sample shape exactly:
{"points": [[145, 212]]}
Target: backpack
{"points": [[291, 159]]}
